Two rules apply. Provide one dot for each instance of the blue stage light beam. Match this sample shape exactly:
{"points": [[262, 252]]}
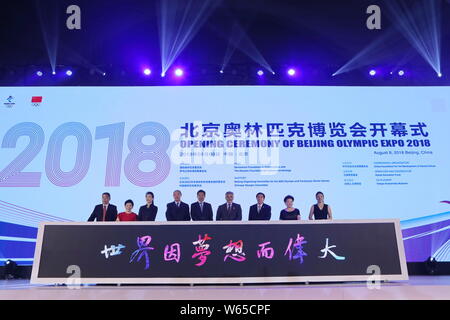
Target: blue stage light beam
{"points": [[48, 13], [374, 53], [231, 47], [77, 59], [421, 26], [178, 23], [240, 40]]}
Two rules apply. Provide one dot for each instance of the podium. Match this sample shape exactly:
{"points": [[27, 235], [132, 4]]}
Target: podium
{"points": [[219, 252]]}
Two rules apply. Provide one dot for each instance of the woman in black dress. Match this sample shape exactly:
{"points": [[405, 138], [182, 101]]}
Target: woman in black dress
{"points": [[320, 210], [290, 213], [148, 211]]}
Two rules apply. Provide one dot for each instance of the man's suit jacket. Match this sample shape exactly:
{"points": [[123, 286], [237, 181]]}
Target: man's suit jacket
{"points": [[199, 215], [175, 213], [264, 214], [234, 214], [97, 214]]}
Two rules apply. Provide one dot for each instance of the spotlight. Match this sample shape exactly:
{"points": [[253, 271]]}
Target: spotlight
{"points": [[147, 71], [401, 73], [179, 72], [260, 73], [10, 269], [439, 75], [69, 73], [163, 74], [372, 72], [39, 73], [53, 72], [221, 71], [291, 72], [104, 74]]}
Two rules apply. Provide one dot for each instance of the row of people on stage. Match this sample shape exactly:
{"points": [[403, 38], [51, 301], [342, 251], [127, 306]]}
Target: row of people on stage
{"points": [[202, 210]]}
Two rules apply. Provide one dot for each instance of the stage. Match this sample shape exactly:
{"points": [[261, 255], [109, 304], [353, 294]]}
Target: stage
{"points": [[418, 287], [218, 151]]}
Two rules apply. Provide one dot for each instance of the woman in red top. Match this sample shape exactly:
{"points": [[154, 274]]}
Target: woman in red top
{"points": [[128, 215]]}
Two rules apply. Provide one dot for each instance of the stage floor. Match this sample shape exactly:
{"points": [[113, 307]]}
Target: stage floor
{"points": [[418, 287]]}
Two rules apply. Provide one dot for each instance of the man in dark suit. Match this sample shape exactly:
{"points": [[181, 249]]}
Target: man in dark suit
{"points": [[104, 211], [229, 210], [201, 210], [177, 210], [260, 210]]}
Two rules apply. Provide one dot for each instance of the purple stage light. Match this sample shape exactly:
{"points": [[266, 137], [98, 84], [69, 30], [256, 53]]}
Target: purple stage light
{"points": [[147, 71], [401, 73], [260, 73], [179, 72], [372, 72], [69, 73], [291, 72], [39, 73]]}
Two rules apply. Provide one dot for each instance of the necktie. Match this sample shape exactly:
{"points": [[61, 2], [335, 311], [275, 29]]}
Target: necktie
{"points": [[229, 208], [259, 208], [104, 213], [201, 206], [178, 204]]}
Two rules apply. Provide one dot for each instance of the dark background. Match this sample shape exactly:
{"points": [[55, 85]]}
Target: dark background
{"points": [[118, 36]]}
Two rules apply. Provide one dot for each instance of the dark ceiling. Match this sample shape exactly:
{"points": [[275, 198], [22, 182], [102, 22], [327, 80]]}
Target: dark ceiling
{"points": [[123, 34]]}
